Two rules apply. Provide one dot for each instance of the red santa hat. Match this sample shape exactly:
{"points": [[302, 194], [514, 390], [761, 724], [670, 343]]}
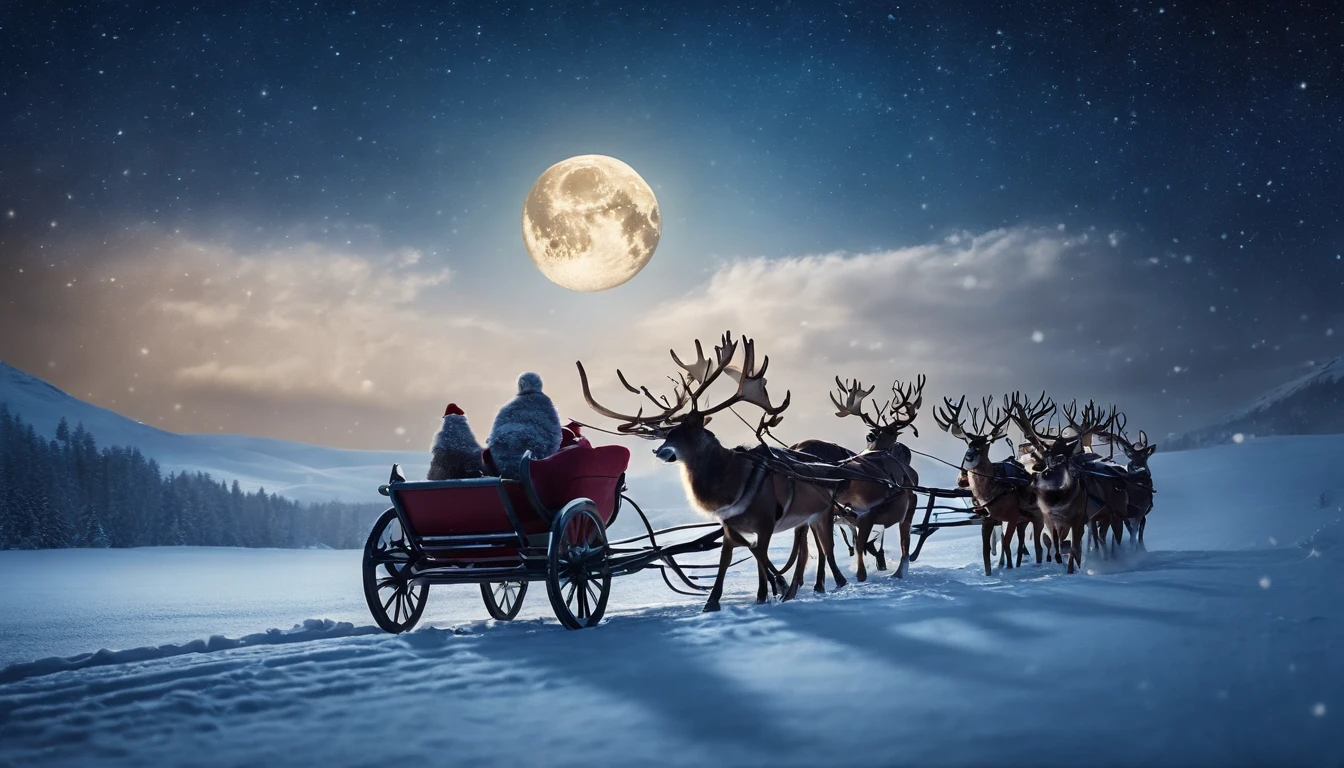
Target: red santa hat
{"points": [[453, 410]]}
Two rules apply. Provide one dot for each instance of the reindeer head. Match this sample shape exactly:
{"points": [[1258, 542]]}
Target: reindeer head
{"points": [[1137, 452], [678, 421], [981, 435], [1028, 418], [888, 419], [1056, 447]]}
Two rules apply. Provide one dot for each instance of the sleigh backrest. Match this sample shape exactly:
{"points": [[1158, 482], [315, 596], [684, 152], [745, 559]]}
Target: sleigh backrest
{"points": [[581, 471]]}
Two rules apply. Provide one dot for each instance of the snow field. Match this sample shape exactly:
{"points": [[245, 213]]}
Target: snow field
{"points": [[1214, 648]]}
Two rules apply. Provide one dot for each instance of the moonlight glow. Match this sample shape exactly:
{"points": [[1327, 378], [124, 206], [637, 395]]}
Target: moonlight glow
{"points": [[591, 223]]}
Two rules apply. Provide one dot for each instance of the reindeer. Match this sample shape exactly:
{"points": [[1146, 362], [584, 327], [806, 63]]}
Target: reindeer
{"points": [[733, 486], [1138, 478], [1001, 489], [888, 501], [1070, 490]]}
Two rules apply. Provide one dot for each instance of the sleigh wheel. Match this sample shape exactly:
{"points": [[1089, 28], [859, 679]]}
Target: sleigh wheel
{"points": [[578, 580], [396, 604], [503, 599]]}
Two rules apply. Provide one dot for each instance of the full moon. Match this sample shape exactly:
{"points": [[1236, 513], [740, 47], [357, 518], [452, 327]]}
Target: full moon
{"points": [[591, 223]]}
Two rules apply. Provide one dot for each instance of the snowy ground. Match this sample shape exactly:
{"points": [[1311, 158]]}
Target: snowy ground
{"points": [[1212, 649]]}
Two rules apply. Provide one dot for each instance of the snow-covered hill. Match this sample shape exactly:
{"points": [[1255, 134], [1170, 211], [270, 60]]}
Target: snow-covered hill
{"points": [[294, 470], [1217, 647], [1308, 405]]}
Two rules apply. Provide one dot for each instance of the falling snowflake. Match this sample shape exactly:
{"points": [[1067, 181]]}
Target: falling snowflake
{"points": [[1319, 709], [1265, 582], [1238, 438], [1037, 336]]}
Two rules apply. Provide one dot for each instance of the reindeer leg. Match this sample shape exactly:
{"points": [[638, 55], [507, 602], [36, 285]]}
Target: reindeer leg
{"points": [[828, 542], [725, 560], [1076, 551], [761, 551], [861, 535], [904, 567], [879, 551], [1003, 550], [986, 538], [1036, 538], [1021, 541], [820, 585], [1006, 548], [1143, 521], [800, 546], [845, 538]]}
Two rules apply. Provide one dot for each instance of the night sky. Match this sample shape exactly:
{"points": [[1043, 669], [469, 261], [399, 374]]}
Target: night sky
{"points": [[301, 219]]}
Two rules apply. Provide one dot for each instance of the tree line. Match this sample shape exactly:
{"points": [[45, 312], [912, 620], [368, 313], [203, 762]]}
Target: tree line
{"points": [[67, 492]]}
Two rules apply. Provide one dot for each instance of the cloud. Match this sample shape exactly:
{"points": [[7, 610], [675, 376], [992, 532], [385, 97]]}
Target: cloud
{"points": [[345, 346], [966, 311]]}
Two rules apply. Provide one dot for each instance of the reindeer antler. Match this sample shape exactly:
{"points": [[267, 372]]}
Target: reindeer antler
{"points": [[987, 427], [638, 424], [1094, 420], [905, 403], [690, 385], [750, 388], [948, 417], [1028, 419], [854, 396]]}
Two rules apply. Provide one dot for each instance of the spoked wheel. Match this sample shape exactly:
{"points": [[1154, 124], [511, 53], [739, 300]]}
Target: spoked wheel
{"points": [[395, 604], [503, 599], [578, 580]]}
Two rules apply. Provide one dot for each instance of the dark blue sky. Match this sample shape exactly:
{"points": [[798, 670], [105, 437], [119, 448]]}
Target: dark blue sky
{"points": [[1209, 137]]}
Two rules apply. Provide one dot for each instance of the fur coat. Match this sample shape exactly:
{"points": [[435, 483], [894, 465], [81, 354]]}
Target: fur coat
{"points": [[528, 422], [455, 453]]}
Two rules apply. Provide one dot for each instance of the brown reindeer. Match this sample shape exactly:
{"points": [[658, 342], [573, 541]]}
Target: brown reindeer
{"points": [[733, 486], [1001, 489], [1138, 478], [1070, 490], [880, 493]]}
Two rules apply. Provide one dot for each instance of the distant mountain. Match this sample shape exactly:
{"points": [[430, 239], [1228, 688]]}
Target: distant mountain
{"points": [[1308, 405], [295, 470]]}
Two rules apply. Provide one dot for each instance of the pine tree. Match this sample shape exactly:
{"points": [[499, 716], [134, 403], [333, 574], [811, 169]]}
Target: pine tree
{"points": [[89, 532]]}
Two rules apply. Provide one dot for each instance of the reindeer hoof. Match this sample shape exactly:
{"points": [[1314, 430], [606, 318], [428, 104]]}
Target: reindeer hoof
{"points": [[820, 590], [861, 576], [840, 583], [711, 607]]}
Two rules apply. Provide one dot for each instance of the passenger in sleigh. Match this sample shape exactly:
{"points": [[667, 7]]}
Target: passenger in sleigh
{"points": [[529, 423], [455, 453]]}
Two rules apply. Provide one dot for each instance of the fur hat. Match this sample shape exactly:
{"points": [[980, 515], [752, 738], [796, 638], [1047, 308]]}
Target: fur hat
{"points": [[453, 410], [529, 383]]}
